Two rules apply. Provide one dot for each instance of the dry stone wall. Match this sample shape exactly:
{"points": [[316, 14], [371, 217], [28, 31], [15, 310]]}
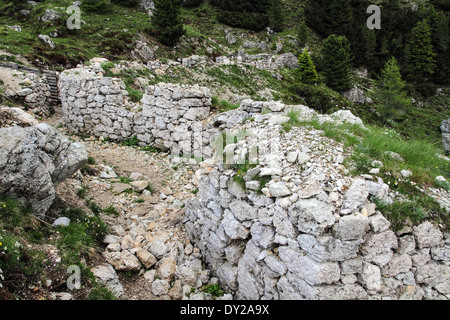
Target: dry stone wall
{"points": [[168, 116]]}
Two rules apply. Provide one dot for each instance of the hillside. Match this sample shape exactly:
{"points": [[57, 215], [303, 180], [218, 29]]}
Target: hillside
{"points": [[146, 181]]}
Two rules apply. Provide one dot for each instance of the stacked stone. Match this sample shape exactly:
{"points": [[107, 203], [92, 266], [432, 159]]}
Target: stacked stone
{"points": [[168, 116], [311, 232], [35, 92]]}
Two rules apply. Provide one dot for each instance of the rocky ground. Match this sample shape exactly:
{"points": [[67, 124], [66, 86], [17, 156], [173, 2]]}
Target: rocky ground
{"points": [[148, 254]]}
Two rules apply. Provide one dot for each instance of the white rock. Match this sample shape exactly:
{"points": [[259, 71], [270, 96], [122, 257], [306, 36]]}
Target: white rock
{"points": [[279, 189], [160, 287], [62, 221]]}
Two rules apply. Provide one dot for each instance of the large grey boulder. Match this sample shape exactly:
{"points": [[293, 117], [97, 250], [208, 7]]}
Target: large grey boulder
{"points": [[34, 160]]}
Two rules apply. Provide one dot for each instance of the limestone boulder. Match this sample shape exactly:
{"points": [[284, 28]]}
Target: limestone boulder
{"points": [[34, 160]]}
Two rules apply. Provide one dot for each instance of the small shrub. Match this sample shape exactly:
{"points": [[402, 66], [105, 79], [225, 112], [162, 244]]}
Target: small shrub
{"points": [[82, 192], [91, 160], [100, 292], [134, 94], [96, 6], [95, 208], [213, 289], [131, 142], [314, 97], [111, 210]]}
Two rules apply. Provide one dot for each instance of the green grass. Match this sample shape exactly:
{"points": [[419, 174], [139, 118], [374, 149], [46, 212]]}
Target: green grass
{"points": [[222, 105], [81, 236], [213, 289], [131, 142], [91, 160], [100, 292], [20, 264], [415, 211], [126, 180], [111, 210], [100, 35], [82, 192]]}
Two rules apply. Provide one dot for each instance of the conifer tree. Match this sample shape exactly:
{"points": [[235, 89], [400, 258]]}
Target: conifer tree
{"points": [[336, 62], [369, 46], [248, 14], [302, 34], [167, 21], [422, 56], [306, 70], [440, 39], [275, 15], [389, 91]]}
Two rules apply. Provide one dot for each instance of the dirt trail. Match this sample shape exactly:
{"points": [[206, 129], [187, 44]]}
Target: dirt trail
{"points": [[158, 212]]}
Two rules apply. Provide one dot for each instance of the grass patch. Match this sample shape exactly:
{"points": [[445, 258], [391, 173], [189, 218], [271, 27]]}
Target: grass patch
{"points": [[111, 210], [213, 289], [222, 105], [91, 160], [100, 292], [372, 143], [131, 142], [80, 238], [415, 211], [19, 264]]}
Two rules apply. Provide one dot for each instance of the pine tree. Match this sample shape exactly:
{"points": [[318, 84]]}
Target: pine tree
{"points": [[275, 15], [369, 46], [307, 70], [167, 21], [248, 14], [127, 3], [336, 62], [341, 17], [440, 39], [13, 7], [389, 91], [422, 56], [302, 34]]}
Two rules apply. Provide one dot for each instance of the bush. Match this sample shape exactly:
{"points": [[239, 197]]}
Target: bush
{"points": [[191, 3], [96, 6], [313, 96], [135, 94], [127, 3], [243, 13], [247, 20]]}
